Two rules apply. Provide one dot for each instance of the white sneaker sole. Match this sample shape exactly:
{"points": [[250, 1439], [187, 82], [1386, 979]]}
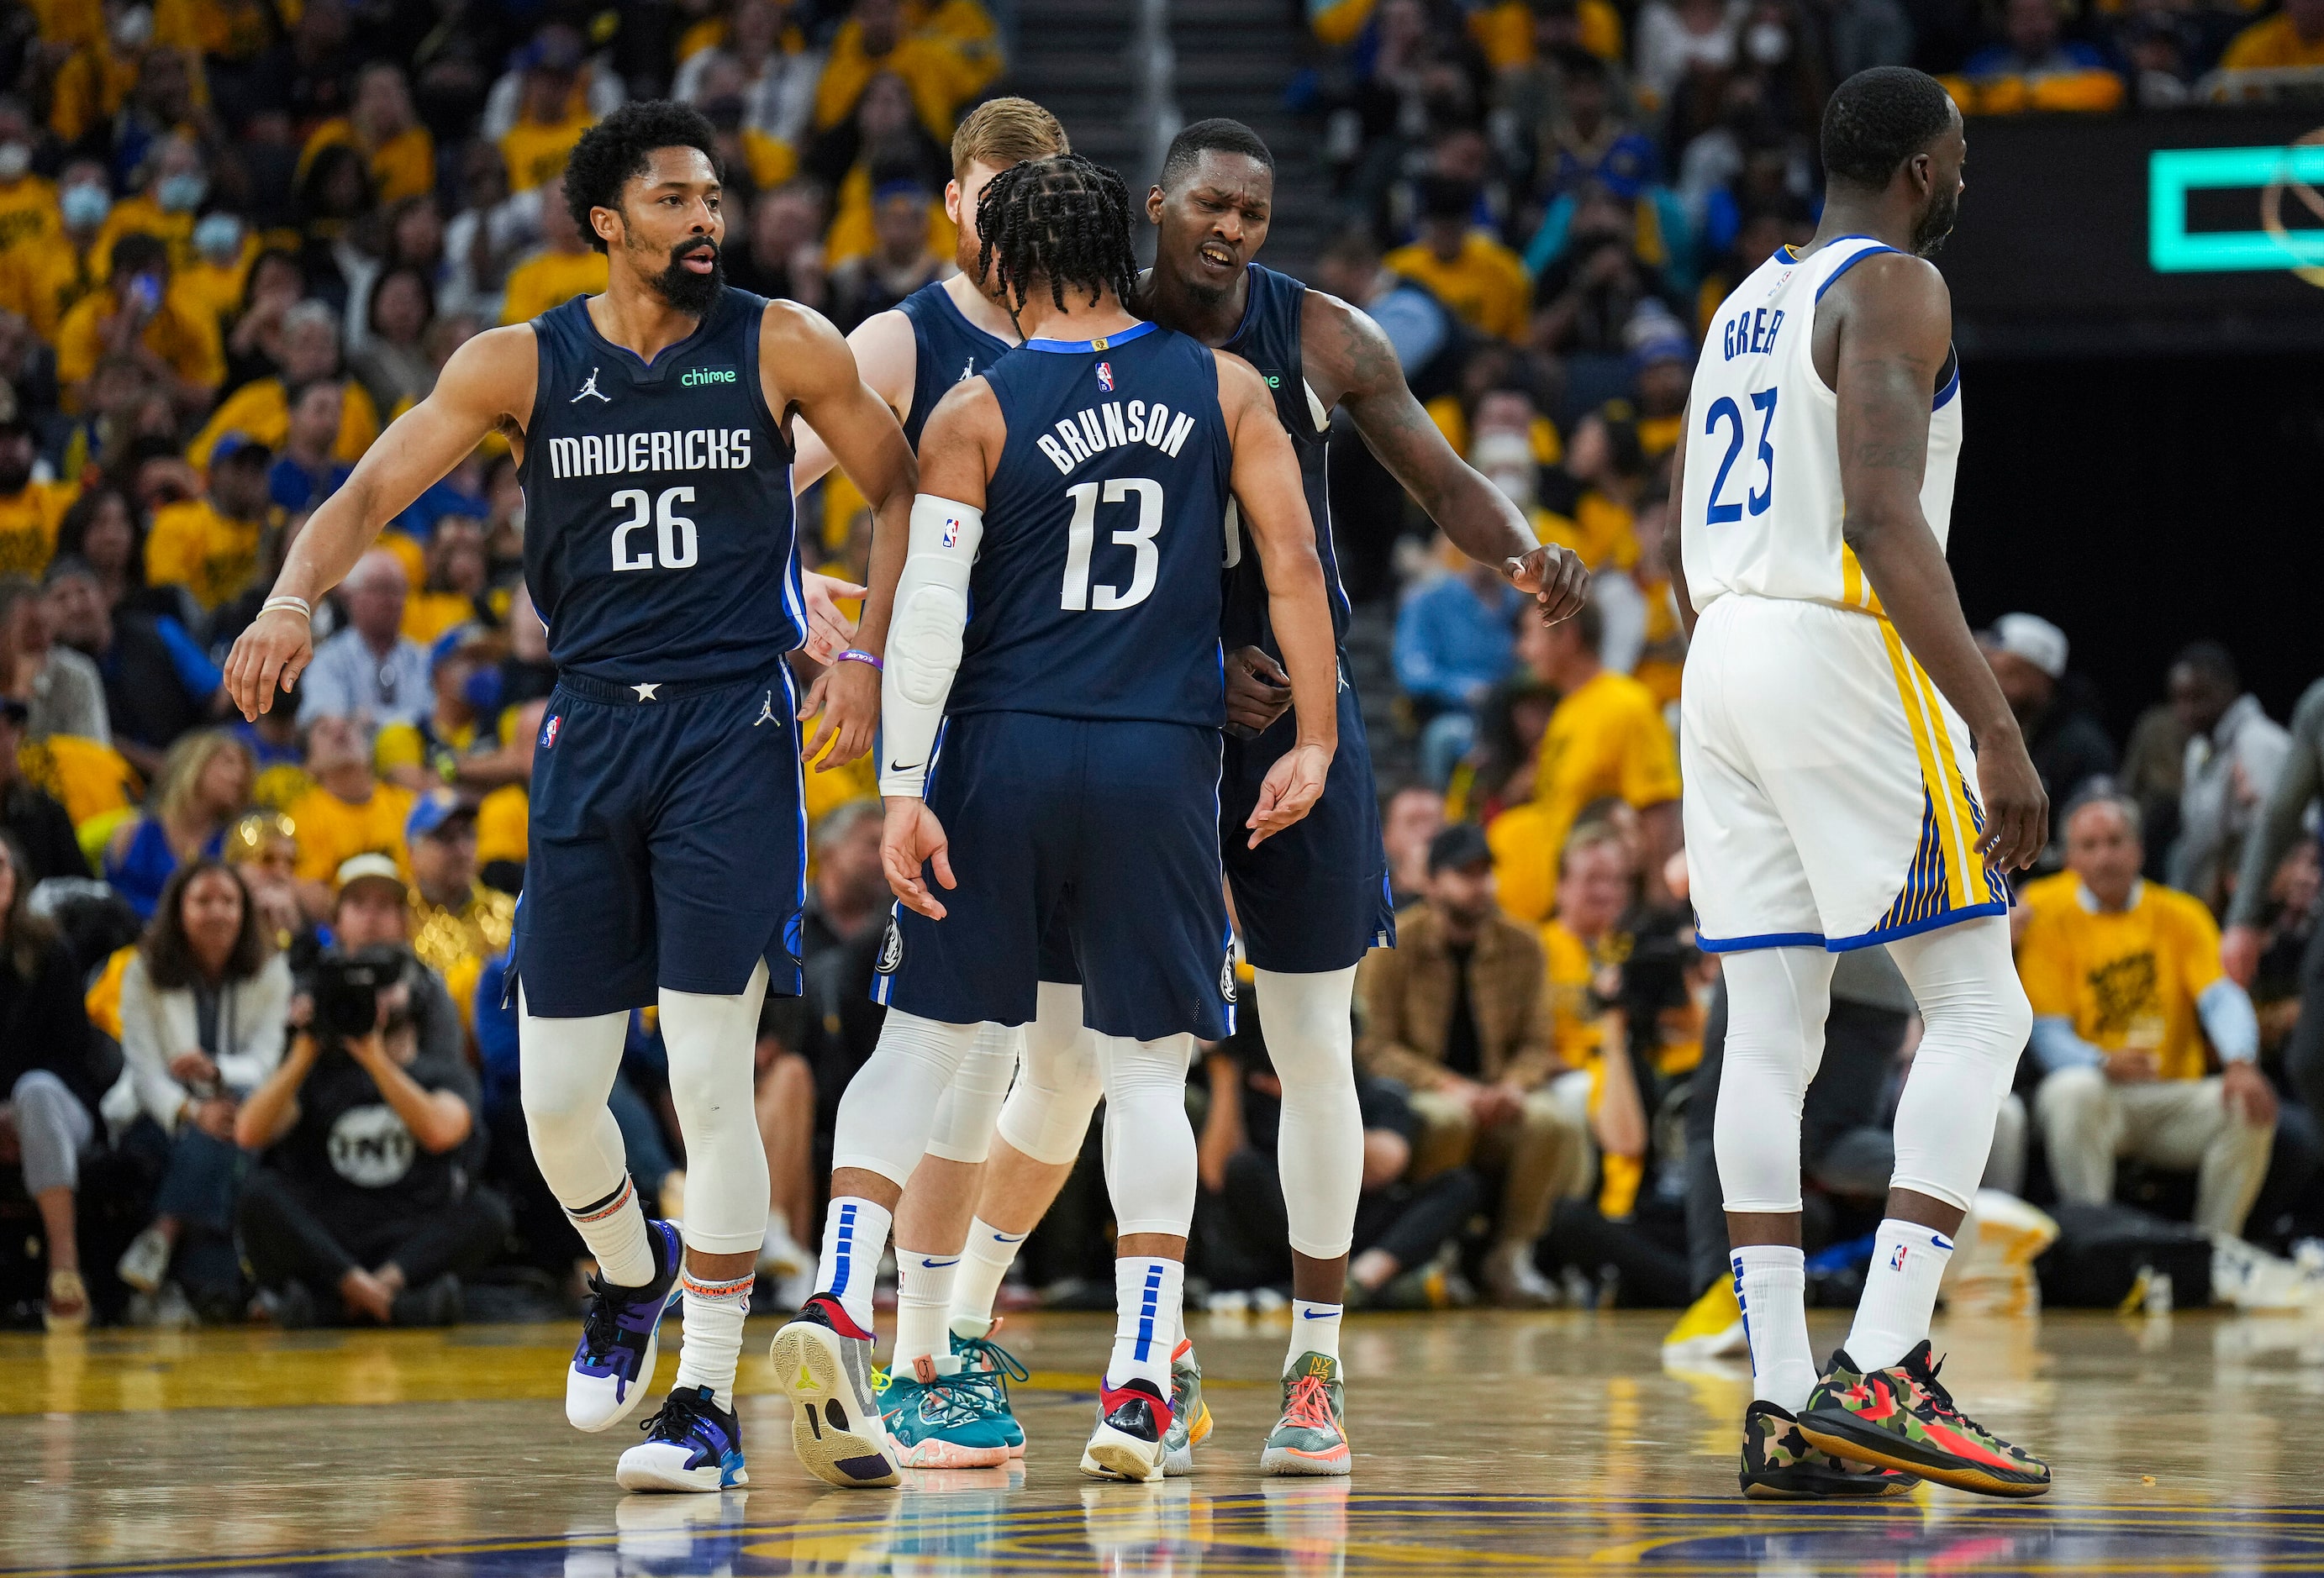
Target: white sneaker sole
{"points": [[1283, 1460], [1112, 1455], [580, 1390], [834, 1441], [643, 1469]]}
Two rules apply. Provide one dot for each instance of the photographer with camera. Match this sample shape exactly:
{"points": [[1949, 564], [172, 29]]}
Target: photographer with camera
{"points": [[362, 1208]]}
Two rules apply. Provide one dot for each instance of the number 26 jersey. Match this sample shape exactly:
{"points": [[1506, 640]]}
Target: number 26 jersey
{"points": [[659, 530], [1095, 592], [1763, 508]]}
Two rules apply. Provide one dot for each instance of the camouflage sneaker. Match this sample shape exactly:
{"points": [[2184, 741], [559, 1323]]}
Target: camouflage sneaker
{"points": [[1903, 1419], [1779, 1466], [1312, 1437], [1190, 1416]]}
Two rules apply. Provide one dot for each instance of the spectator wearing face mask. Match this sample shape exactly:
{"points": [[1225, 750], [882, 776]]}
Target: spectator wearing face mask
{"points": [[371, 671], [43, 281], [174, 183], [209, 545], [208, 289], [31, 512], [138, 317], [28, 202], [260, 409]]}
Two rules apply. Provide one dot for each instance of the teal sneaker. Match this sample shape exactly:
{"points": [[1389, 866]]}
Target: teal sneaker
{"points": [[945, 1416], [1190, 1416], [1312, 1437], [972, 1345]]}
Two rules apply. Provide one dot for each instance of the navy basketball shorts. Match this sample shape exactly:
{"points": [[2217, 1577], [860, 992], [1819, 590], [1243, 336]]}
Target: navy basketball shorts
{"points": [[1104, 832], [1315, 897], [668, 845]]}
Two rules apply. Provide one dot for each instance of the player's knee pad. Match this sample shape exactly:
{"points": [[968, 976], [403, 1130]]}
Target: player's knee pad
{"points": [[889, 1112], [1150, 1153], [566, 1066], [1320, 1144], [1977, 1020], [710, 1041], [972, 1102], [1776, 1002], [1048, 1113]]}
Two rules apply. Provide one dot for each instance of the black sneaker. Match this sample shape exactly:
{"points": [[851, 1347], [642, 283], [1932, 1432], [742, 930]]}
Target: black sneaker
{"points": [[1133, 1423], [1780, 1465], [613, 1363], [691, 1445]]}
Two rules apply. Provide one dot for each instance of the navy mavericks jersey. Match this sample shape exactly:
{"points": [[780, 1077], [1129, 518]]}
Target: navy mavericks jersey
{"points": [[946, 348], [1268, 339], [658, 533], [1096, 588]]}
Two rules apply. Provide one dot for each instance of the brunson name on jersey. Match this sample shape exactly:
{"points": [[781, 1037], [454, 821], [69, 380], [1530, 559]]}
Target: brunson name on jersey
{"points": [[1110, 425], [716, 449]]}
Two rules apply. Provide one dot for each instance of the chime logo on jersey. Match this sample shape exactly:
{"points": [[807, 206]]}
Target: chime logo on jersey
{"points": [[548, 730], [1105, 376]]}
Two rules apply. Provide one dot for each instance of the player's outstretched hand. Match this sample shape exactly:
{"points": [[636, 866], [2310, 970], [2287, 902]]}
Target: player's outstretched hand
{"points": [[828, 628], [1555, 576], [911, 838], [275, 649], [1258, 691], [845, 701], [2017, 811], [1292, 786]]}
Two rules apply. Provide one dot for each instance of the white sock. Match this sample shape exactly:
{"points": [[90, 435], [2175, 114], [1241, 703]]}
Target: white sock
{"points": [[1771, 1284], [712, 1344], [924, 1284], [991, 1253], [1314, 1329], [1900, 1293], [614, 1229], [854, 1235], [1147, 1292]]}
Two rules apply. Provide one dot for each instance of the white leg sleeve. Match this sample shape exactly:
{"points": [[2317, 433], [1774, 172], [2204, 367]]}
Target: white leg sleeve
{"points": [[1048, 1113], [565, 1069], [972, 1102], [1776, 1002], [1310, 1034], [1978, 1022], [1149, 1145], [711, 1042], [885, 1119]]}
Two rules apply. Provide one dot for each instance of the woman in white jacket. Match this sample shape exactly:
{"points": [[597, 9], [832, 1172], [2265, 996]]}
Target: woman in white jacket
{"points": [[203, 1009]]}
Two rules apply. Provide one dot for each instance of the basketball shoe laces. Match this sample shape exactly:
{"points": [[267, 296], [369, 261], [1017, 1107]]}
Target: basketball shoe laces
{"points": [[1933, 1399], [675, 1418], [993, 1364], [1310, 1405], [601, 1327]]}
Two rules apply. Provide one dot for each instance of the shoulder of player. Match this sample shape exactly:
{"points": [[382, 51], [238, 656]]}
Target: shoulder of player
{"points": [[1891, 282], [886, 355], [1341, 342], [500, 362], [968, 407]]}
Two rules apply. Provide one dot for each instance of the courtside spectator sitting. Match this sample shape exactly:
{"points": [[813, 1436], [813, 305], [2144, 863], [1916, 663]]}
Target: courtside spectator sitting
{"points": [[2070, 746], [49, 1115], [2278, 832], [370, 671], [373, 908], [30, 814], [209, 544], [203, 1006], [458, 924], [1458, 1014], [2294, 37], [2234, 752], [2124, 975], [348, 811], [307, 473], [203, 787]]}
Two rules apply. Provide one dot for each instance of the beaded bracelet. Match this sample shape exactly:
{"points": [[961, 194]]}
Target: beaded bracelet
{"points": [[857, 654]]}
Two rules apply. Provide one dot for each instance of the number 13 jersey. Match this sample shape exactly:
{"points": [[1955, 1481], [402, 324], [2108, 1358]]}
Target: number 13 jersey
{"points": [[659, 530], [1095, 592], [1763, 505]]}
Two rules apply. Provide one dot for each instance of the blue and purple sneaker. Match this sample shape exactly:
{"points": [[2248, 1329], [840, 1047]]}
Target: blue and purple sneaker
{"points": [[613, 1364], [691, 1445]]}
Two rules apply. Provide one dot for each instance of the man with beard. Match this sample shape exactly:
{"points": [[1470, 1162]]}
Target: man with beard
{"points": [[1832, 692], [667, 860]]}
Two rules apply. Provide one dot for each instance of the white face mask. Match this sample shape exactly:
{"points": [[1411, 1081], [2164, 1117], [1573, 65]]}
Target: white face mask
{"points": [[16, 159], [133, 28], [1767, 44]]}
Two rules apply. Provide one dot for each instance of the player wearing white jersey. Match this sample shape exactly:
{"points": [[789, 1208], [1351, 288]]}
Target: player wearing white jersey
{"points": [[1833, 800]]}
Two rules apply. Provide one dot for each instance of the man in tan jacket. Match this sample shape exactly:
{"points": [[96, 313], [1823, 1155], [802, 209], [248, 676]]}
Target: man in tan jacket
{"points": [[1459, 1012]]}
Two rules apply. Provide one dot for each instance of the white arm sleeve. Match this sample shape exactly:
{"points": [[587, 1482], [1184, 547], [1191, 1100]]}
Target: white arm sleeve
{"points": [[923, 637]]}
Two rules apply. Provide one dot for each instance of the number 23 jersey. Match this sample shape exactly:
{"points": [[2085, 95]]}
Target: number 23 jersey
{"points": [[1763, 505], [1095, 592], [659, 530]]}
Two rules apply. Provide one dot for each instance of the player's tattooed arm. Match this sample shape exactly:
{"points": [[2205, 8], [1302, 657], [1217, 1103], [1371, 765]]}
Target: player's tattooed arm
{"points": [[805, 367], [1883, 334], [1353, 358], [1274, 507], [487, 386]]}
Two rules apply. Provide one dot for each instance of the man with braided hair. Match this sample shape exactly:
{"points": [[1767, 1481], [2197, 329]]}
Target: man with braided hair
{"points": [[1075, 496]]}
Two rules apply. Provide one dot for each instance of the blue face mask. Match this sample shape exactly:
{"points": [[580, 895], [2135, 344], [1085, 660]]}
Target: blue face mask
{"points": [[85, 205], [179, 194], [218, 237]]}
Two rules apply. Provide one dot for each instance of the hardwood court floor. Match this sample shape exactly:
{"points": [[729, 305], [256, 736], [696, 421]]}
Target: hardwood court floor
{"points": [[1486, 1444]]}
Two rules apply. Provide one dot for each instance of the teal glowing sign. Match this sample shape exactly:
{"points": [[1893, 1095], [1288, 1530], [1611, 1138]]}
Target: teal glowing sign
{"points": [[2298, 169]]}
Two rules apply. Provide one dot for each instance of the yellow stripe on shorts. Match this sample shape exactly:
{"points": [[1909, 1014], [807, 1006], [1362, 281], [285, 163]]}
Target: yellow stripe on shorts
{"points": [[1943, 791], [1964, 818], [1856, 591]]}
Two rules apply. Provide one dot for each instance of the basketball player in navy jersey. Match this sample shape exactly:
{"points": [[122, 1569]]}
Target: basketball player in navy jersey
{"points": [[652, 424], [1075, 497]]}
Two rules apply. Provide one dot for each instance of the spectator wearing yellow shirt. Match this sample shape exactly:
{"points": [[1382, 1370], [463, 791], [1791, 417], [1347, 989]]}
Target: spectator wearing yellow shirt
{"points": [[175, 179], [347, 813], [209, 544], [874, 38], [2292, 37], [260, 409], [1664, 360], [503, 817], [1481, 281], [1607, 737], [456, 572], [550, 116], [28, 202], [458, 924], [565, 266], [44, 281], [30, 512], [380, 125], [763, 58], [137, 317], [901, 260], [883, 133], [209, 288], [2127, 986]]}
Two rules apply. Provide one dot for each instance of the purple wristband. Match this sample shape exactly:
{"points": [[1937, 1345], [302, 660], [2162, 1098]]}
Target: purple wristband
{"points": [[857, 654]]}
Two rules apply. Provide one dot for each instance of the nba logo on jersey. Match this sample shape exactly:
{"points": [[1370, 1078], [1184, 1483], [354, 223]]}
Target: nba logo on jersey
{"points": [[1105, 376], [549, 731]]}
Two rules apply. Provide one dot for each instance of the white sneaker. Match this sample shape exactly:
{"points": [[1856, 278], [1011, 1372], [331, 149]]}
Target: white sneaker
{"points": [[779, 1255], [145, 1261]]}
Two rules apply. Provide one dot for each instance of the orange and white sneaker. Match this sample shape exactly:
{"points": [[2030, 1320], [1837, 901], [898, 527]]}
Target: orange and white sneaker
{"points": [[1312, 1436]]}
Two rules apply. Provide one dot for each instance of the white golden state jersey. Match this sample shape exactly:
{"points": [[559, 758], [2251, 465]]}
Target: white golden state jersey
{"points": [[1762, 500]]}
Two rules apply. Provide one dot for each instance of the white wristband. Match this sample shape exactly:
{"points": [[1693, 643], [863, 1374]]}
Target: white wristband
{"points": [[284, 600]]}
